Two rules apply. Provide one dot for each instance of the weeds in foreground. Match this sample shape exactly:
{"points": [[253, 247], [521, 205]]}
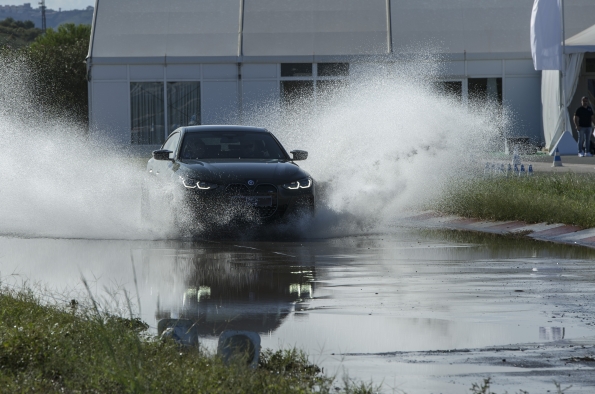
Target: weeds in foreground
{"points": [[54, 349], [552, 198]]}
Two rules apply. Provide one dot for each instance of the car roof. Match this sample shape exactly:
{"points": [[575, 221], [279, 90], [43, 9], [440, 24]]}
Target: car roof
{"points": [[231, 128]]}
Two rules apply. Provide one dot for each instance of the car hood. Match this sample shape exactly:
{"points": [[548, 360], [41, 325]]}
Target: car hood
{"points": [[242, 170]]}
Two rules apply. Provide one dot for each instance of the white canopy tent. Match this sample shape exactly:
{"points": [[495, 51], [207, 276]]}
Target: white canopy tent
{"points": [[556, 119]]}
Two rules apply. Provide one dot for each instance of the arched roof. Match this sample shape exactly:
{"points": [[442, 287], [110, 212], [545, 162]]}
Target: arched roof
{"points": [[273, 28]]}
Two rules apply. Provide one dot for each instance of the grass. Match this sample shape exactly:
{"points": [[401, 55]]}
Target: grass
{"points": [[553, 198], [48, 348]]}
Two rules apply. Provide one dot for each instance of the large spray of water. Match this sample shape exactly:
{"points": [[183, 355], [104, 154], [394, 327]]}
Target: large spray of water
{"points": [[385, 142], [381, 143], [55, 181]]}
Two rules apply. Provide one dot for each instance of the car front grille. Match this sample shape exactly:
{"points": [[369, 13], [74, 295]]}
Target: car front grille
{"points": [[264, 190], [237, 190]]}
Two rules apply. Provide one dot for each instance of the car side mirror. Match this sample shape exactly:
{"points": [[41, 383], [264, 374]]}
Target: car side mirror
{"points": [[161, 154], [299, 155]]}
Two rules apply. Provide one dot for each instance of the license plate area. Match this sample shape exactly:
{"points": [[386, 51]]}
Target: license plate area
{"points": [[254, 201]]}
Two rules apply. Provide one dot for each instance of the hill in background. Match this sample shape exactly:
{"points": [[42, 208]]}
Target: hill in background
{"points": [[17, 33], [53, 18]]}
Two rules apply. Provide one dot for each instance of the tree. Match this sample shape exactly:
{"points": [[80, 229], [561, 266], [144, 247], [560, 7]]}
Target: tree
{"points": [[16, 34], [57, 58]]}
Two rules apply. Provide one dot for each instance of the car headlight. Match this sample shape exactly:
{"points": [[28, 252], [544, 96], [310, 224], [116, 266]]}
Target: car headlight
{"points": [[300, 184], [191, 183]]}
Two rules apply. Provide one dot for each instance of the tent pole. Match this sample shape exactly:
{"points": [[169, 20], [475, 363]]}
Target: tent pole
{"points": [[563, 71]]}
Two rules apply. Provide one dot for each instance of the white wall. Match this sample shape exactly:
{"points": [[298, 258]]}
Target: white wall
{"points": [[259, 89], [109, 112], [474, 26], [219, 102], [259, 96], [522, 100], [157, 28], [309, 27]]}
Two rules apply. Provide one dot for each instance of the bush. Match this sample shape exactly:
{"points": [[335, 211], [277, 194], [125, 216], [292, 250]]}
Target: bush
{"points": [[552, 198], [58, 60], [54, 349]]}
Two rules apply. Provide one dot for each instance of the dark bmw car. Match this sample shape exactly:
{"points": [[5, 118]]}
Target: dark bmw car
{"points": [[236, 172]]}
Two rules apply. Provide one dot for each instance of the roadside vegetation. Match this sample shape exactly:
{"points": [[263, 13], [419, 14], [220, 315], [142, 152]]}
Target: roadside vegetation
{"points": [[553, 198], [56, 59], [17, 34], [45, 348]]}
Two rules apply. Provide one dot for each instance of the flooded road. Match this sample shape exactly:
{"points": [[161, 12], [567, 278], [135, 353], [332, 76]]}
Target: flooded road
{"points": [[419, 311]]}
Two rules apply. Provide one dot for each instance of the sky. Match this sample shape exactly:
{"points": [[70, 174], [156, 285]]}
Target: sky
{"points": [[53, 4]]}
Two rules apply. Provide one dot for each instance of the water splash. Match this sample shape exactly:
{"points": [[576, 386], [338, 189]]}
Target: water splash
{"points": [[381, 143], [385, 143], [55, 180]]}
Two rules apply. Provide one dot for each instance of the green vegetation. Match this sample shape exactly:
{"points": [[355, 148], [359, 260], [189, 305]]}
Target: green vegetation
{"points": [[69, 349], [55, 61], [552, 198], [58, 58], [17, 34]]}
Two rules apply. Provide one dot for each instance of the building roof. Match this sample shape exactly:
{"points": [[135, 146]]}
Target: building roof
{"points": [[582, 42], [157, 28], [277, 28]]}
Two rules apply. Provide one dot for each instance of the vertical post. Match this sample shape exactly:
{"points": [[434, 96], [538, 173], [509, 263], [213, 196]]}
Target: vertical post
{"points": [[389, 28], [42, 6], [240, 59], [165, 100], [563, 71]]}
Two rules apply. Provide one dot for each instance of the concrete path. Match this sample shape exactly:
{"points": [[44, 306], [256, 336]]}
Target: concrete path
{"points": [[543, 163], [559, 233]]}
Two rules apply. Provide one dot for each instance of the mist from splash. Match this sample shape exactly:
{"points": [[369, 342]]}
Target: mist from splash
{"points": [[380, 144], [55, 180], [384, 143]]}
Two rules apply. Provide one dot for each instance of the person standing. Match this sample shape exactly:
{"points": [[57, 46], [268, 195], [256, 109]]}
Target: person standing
{"points": [[583, 120]]}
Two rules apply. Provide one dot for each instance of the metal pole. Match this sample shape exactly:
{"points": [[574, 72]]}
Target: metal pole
{"points": [[43, 26], [563, 72], [240, 59]]}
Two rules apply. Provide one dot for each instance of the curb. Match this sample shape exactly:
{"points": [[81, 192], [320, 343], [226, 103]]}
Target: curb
{"points": [[557, 232]]}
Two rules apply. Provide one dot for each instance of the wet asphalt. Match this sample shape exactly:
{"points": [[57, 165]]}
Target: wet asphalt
{"points": [[420, 311]]}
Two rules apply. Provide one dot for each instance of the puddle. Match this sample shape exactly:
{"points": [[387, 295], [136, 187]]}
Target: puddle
{"points": [[361, 296]]}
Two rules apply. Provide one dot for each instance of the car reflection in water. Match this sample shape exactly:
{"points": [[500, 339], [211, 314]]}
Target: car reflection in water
{"points": [[230, 291]]}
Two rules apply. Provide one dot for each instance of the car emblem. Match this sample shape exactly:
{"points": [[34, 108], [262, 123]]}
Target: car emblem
{"points": [[250, 183]]}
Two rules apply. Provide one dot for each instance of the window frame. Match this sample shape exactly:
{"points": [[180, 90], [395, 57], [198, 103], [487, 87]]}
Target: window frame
{"points": [[130, 113], [314, 78], [174, 134]]}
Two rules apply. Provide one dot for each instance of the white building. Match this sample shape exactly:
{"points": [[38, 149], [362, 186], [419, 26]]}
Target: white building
{"points": [[156, 64]]}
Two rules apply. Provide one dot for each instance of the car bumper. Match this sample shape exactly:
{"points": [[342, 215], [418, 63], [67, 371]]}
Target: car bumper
{"points": [[229, 200]]}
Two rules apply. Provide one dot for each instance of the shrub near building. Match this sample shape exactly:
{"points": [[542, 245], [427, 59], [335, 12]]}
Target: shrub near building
{"points": [[16, 34], [57, 58]]}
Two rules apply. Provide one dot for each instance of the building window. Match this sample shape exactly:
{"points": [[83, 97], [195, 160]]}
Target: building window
{"points": [[327, 88], [183, 104], [485, 89], [590, 63], [296, 69], [147, 113], [303, 83], [333, 69], [450, 88], [294, 92]]}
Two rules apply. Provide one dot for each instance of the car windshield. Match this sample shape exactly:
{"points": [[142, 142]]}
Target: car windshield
{"points": [[230, 145]]}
